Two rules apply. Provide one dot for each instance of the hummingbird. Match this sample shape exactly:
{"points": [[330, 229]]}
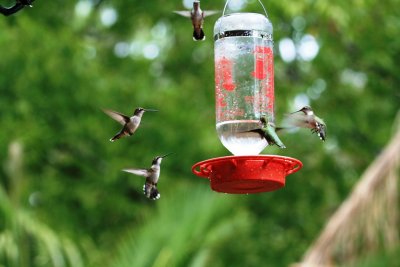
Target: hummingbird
{"points": [[309, 120], [268, 132], [19, 4], [130, 123], [197, 16], [152, 175]]}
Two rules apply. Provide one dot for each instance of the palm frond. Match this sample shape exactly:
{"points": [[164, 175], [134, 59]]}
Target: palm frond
{"points": [[182, 233], [367, 220]]}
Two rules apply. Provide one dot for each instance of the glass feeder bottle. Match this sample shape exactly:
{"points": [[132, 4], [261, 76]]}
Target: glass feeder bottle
{"points": [[244, 80], [244, 92]]}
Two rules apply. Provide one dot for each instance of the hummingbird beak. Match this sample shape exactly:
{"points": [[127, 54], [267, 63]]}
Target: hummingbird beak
{"points": [[295, 111], [150, 110], [167, 155]]}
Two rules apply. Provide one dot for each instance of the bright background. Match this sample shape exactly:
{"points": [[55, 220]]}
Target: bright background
{"points": [[63, 198]]}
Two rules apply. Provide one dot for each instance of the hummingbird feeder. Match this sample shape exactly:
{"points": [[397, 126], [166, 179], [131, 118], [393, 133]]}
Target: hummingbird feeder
{"points": [[244, 92]]}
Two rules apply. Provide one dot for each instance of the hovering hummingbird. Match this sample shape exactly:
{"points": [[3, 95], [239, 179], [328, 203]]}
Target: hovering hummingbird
{"points": [[267, 131], [197, 16], [19, 4], [130, 123], [309, 120], [152, 175]]}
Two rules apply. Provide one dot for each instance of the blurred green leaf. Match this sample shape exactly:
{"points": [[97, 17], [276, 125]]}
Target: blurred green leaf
{"points": [[60, 64]]}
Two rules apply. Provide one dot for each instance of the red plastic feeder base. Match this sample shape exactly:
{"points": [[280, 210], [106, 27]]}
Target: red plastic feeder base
{"points": [[247, 174]]}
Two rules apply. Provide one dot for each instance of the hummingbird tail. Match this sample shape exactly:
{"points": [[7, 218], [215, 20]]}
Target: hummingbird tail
{"points": [[281, 145], [278, 129], [154, 194], [198, 35], [151, 191], [275, 140], [117, 136], [114, 138]]}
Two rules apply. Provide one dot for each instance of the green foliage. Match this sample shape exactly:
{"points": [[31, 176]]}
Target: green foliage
{"points": [[24, 241], [185, 233], [64, 198]]}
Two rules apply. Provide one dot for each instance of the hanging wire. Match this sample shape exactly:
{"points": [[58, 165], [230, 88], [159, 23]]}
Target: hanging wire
{"points": [[227, 2], [220, 34]]}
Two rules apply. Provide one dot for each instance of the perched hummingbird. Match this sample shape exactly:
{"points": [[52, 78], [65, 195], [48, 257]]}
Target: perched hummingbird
{"points": [[130, 123], [309, 120], [152, 175], [267, 131], [19, 4], [197, 16]]}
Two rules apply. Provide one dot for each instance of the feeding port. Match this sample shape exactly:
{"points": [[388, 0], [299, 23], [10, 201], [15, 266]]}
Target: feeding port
{"points": [[247, 174]]}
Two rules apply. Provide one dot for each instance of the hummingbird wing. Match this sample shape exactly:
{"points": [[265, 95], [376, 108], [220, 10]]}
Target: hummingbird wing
{"points": [[140, 172], [259, 131], [121, 118], [299, 120], [278, 129], [210, 12], [185, 13]]}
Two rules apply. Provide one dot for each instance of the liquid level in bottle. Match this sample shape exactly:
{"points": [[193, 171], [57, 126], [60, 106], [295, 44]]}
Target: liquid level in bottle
{"points": [[234, 136]]}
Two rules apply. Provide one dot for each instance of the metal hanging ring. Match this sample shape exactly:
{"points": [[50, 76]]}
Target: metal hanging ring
{"points": [[220, 34], [227, 2]]}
